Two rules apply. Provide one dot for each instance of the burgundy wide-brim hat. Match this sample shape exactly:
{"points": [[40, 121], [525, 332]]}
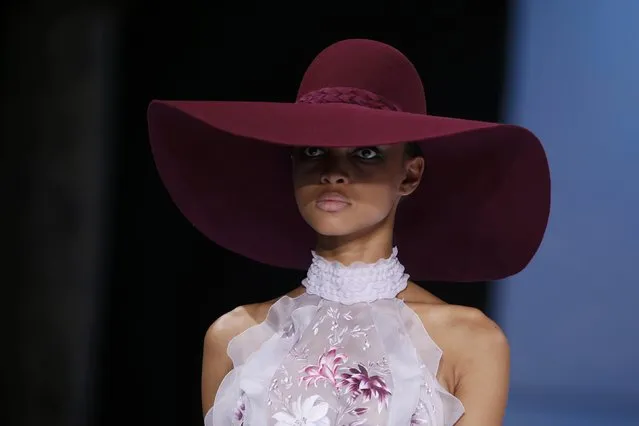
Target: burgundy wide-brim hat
{"points": [[479, 213]]}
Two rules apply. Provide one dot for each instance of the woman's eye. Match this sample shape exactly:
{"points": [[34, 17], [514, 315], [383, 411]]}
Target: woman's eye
{"points": [[313, 151], [367, 153]]}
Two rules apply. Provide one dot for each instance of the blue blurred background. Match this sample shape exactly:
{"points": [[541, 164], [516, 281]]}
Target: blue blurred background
{"points": [[108, 290], [573, 77]]}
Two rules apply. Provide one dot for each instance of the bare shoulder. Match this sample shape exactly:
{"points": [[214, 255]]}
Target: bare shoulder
{"points": [[463, 332], [240, 319], [215, 361], [464, 321], [476, 359], [235, 322]]}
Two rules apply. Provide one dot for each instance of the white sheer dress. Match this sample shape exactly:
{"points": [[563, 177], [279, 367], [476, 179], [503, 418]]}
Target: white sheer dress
{"points": [[346, 352]]}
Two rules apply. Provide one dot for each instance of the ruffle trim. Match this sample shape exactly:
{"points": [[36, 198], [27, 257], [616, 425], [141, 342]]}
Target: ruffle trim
{"points": [[430, 354], [257, 353], [383, 262], [284, 321], [358, 282]]}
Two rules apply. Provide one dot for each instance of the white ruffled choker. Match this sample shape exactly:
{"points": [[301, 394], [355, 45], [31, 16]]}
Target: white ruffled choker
{"points": [[358, 282]]}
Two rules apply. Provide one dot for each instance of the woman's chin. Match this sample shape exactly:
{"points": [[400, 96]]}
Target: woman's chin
{"points": [[344, 224], [333, 228], [340, 227], [332, 231]]}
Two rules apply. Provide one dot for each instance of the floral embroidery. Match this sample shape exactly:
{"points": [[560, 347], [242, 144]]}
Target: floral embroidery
{"points": [[417, 418], [240, 410], [348, 383], [289, 330], [338, 333], [299, 353], [355, 385], [335, 315], [355, 382], [304, 413], [381, 367], [329, 366], [277, 388], [337, 336], [325, 370], [350, 409], [358, 382]]}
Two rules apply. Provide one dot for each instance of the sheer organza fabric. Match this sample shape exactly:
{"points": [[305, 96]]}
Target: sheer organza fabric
{"points": [[325, 363], [328, 359]]}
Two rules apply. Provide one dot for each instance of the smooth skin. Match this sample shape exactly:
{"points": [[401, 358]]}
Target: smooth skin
{"points": [[476, 362]]}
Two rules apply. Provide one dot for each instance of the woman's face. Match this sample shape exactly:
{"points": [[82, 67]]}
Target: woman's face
{"points": [[343, 191]]}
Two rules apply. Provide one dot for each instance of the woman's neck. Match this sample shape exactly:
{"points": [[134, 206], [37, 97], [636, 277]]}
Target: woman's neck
{"points": [[349, 249]]}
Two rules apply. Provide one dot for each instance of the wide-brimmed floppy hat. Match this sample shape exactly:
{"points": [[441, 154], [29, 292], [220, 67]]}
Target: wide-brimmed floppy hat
{"points": [[479, 213]]}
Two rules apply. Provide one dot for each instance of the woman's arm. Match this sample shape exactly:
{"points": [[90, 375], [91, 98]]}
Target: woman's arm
{"points": [[483, 370]]}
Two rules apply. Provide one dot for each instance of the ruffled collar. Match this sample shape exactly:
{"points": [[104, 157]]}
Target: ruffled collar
{"points": [[358, 282]]}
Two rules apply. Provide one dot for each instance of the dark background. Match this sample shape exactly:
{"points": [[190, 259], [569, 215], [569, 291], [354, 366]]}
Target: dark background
{"points": [[161, 283]]}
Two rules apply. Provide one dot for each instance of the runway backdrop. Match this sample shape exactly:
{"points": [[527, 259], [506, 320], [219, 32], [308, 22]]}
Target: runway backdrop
{"points": [[572, 316]]}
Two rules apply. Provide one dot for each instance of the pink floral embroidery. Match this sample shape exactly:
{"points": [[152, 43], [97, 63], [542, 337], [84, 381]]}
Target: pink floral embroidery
{"points": [[239, 411], [326, 368], [417, 418], [358, 382], [358, 411], [414, 420]]}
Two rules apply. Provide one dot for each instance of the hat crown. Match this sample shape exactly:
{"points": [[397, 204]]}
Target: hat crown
{"points": [[367, 65]]}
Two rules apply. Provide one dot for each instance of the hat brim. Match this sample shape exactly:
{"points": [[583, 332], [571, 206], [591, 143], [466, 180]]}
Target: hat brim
{"points": [[479, 214]]}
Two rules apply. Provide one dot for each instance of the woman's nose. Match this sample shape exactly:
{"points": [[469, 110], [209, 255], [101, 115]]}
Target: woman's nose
{"points": [[333, 178], [334, 172]]}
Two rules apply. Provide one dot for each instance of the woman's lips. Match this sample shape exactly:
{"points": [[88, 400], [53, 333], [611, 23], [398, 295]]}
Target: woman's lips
{"points": [[332, 202]]}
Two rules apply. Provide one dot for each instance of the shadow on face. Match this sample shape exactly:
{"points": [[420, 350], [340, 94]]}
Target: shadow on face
{"points": [[340, 191]]}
